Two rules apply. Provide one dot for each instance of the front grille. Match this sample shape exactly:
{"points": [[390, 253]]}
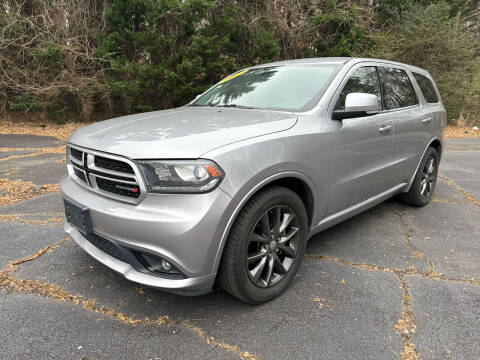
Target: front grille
{"points": [[111, 177], [112, 164], [80, 174], [77, 154], [107, 247]]}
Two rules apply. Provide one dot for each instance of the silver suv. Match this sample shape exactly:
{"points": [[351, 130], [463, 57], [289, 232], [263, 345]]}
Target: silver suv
{"points": [[228, 188]]}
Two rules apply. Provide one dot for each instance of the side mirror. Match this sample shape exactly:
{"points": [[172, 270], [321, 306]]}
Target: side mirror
{"points": [[358, 105]]}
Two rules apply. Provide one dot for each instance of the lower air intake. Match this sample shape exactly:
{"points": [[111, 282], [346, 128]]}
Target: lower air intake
{"points": [[106, 246]]}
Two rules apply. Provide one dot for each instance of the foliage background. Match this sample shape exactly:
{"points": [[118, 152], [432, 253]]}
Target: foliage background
{"points": [[66, 60]]}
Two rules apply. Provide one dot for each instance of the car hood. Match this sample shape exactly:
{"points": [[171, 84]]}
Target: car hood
{"points": [[185, 132]]}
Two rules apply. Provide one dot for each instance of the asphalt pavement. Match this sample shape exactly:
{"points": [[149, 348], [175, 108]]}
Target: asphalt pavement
{"points": [[394, 282]]}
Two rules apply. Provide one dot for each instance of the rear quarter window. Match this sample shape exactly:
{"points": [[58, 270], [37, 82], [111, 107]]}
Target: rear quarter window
{"points": [[397, 89], [427, 88]]}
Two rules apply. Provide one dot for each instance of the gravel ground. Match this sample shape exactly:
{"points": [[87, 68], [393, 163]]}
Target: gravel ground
{"points": [[394, 282]]}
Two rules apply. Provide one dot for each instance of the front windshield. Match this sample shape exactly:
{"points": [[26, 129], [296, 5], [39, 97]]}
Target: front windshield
{"points": [[286, 87]]}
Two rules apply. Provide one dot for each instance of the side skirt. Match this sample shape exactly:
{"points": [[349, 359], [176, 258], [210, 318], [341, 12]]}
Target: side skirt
{"points": [[356, 209]]}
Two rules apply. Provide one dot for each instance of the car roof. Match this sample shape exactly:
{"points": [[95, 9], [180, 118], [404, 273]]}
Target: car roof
{"points": [[342, 61]]}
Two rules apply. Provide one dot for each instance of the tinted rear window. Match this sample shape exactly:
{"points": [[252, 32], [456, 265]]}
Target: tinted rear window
{"points": [[397, 89], [428, 90]]}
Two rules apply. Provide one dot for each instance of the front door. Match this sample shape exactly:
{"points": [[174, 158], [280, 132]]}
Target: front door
{"points": [[363, 147]]}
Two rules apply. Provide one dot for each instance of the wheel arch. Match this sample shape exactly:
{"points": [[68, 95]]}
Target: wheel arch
{"points": [[437, 144], [295, 181], [299, 187]]}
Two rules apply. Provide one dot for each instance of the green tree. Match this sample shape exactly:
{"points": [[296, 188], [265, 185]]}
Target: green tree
{"points": [[429, 36], [161, 53]]}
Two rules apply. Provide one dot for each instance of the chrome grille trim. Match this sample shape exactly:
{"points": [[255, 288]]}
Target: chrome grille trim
{"points": [[88, 164], [113, 179], [92, 166]]}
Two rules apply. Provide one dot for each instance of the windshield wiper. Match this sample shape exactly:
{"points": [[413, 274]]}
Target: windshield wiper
{"points": [[235, 106]]}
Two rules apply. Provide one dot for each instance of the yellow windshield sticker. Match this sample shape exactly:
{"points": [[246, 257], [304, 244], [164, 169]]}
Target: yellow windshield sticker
{"points": [[233, 76]]}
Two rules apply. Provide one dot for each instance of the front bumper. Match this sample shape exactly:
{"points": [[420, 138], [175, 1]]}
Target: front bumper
{"points": [[184, 229]]}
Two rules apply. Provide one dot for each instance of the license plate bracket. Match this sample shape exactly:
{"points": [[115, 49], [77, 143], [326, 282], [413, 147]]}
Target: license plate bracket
{"points": [[78, 215]]}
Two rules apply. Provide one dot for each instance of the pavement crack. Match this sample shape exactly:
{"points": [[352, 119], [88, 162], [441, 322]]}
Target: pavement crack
{"points": [[462, 191], [14, 264], [58, 294], [20, 218], [408, 237], [18, 190], [55, 292], [407, 324], [36, 152], [410, 271]]}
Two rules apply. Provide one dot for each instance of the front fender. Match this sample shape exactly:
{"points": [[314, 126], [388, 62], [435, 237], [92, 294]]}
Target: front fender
{"points": [[303, 152], [246, 193]]}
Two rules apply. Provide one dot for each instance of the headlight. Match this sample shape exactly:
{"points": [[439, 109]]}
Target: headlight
{"points": [[181, 176]]}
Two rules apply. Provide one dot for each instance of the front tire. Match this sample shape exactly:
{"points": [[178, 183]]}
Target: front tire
{"points": [[421, 190], [265, 247]]}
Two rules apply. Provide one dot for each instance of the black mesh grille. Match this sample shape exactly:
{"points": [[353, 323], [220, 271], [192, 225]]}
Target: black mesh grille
{"points": [[77, 154], [112, 164], [80, 174], [118, 188], [106, 246]]}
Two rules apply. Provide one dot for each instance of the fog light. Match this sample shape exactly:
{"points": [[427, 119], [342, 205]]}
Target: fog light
{"points": [[166, 265], [157, 265]]}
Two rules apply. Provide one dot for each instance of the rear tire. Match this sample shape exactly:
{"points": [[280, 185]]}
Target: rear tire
{"points": [[423, 185], [265, 246]]}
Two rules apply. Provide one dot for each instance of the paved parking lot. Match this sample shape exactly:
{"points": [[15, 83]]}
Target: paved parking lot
{"points": [[394, 282]]}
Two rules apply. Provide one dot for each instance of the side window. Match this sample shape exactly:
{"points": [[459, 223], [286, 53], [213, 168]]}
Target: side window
{"points": [[428, 90], [362, 80], [398, 91]]}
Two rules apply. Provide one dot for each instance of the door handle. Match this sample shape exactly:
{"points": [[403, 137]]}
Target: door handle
{"points": [[385, 128], [427, 120]]}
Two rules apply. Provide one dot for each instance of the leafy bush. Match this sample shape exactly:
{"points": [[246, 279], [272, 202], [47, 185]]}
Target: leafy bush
{"points": [[447, 46], [25, 103], [95, 59]]}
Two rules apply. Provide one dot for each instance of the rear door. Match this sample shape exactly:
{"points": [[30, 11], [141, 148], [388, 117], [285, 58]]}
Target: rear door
{"points": [[434, 115], [363, 146], [410, 120]]}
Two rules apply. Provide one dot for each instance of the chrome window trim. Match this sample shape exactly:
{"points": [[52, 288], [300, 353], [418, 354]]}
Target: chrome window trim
{"points": [[137, 177]]}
